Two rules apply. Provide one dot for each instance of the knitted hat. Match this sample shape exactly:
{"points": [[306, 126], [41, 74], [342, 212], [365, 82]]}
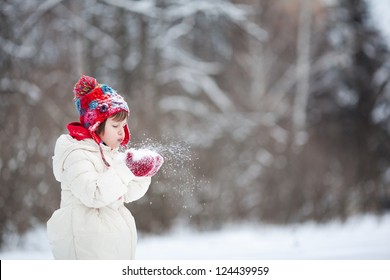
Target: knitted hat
{"points": [[97, 102]]}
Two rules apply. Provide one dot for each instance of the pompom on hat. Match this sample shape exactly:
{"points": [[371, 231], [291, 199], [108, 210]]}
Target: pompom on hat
{"points": [[95, 103]]}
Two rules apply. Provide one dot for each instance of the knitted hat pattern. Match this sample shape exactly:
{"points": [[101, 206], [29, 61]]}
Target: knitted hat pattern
{"points": [[95, 103]]}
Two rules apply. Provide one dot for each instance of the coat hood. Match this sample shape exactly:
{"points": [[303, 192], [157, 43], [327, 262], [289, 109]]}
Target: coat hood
{"points": [[64, 146]]}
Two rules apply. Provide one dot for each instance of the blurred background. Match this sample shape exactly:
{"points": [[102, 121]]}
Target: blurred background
{"points": [[266, 111]]}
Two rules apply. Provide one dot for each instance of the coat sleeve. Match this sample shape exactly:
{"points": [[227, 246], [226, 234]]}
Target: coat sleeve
{"points": [[92, 188], [137, 188]]}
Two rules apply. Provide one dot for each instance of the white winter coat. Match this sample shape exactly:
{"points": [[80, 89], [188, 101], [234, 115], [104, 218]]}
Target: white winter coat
{"points": [[92, 222]]}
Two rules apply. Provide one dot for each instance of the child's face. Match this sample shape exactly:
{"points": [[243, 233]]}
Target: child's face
{"points": [[114, 132]]}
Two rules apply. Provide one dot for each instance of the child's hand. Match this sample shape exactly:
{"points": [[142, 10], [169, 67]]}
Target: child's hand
{"points": [[143, 162]]}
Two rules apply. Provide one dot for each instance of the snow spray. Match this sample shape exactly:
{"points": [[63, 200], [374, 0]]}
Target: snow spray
{"points": [[179, 162]]}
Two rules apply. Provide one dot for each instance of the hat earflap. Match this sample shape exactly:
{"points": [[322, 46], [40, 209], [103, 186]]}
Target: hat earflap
{"points": [[127, 137]]}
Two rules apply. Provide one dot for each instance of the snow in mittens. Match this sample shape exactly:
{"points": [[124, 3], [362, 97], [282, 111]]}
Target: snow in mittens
{"points": [[143, 162]]}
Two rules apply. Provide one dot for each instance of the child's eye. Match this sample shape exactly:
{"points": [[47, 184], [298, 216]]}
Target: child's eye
{"points": [[115, 126]]}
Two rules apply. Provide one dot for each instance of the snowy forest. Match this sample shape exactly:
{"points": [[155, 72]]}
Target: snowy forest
{"points": [[272, 111]]}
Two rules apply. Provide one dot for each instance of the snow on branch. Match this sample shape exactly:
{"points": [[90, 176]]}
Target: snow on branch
{"points": [[94, 33], [15, 85], [35, 96], [215, 93], [173, 33], [182, 57], [237, 14], [38, 12], [14, 50], [146, 8], [183, 103], [202, 82]]}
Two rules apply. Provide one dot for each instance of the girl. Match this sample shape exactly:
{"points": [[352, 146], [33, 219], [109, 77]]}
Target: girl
{"points": [[96, 181]]}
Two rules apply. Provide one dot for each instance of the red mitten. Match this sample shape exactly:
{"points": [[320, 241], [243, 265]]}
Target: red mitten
{"points": [[143, 162]]}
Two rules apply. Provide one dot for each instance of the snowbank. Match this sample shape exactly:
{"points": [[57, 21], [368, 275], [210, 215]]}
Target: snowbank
{"points": [[362, 237]]}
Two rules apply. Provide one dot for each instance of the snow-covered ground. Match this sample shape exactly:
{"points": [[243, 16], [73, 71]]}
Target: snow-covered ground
{"points": [[362, 237]]}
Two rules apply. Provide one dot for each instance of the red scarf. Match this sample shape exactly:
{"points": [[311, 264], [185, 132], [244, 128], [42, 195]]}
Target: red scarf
{"points": [[78, 132]]}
